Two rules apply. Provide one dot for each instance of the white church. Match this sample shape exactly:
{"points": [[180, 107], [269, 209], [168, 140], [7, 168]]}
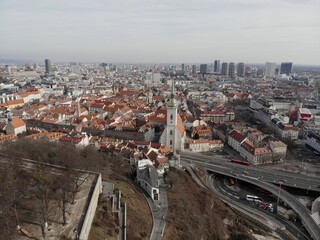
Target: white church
{"points": [[174, 134]]}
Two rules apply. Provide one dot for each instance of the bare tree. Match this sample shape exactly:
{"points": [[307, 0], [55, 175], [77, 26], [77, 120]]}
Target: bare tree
{"points": [[64, 185], [10, 178], [43, 181]]}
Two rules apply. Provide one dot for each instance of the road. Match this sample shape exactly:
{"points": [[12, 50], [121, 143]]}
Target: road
{"points": [[262, 178], [219, 185], [311, 183]]}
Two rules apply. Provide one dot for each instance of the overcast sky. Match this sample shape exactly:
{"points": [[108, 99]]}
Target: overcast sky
{"points": [[161, 31]]}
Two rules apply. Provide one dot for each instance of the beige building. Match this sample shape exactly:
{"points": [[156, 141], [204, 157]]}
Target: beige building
{"points": [[16, 126]]}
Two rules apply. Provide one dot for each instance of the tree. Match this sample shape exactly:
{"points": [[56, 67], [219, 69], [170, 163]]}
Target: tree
{"points": [[64, 189], [10, 178], [43, 181]]}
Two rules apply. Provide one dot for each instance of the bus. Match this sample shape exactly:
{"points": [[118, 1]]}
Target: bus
{"points": [[253, 198], [231, 181]]}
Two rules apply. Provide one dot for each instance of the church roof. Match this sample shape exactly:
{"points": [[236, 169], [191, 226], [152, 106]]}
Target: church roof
{"points": [[180, 126]]}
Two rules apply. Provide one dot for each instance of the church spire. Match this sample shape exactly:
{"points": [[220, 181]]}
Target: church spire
{"points": [[172, 101]]}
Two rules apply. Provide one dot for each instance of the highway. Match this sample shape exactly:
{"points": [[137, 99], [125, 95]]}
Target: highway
{"points": [[264, 179], [218, 185], [311, 183]]}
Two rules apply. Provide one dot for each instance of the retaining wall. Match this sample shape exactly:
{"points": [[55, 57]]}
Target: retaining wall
{"points": [[90, 213]]}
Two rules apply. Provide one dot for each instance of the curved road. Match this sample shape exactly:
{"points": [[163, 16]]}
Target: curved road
{"points": [[223, 189], [224, 169]]}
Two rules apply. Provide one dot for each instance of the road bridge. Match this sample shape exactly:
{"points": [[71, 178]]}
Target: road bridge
{"points": [[309, 183], [227, 169]]}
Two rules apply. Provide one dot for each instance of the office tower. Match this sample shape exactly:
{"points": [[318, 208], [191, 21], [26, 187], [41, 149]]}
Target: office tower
{"points": [[48, 66], [286, 68], [194, 69], [270, 69], [225, 69], [210, 68], [182, 67], [248, 71], [241, 69], [203, 68], [232, 69], [216, 67]]}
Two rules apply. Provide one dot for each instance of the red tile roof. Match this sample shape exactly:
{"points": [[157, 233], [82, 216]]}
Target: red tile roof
{"points": [[237, 136]]}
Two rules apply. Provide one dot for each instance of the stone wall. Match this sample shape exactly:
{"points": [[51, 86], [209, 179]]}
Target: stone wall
{"points": [[91, 210]]}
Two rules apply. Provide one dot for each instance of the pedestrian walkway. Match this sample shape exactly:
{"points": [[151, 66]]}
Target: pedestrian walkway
{"points": [[158, 210]]}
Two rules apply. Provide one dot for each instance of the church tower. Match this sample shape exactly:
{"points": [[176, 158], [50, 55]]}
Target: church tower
{"points": [[171, 119], [173, 136]]}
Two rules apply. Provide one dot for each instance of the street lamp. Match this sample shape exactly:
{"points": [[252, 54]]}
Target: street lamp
{"points": [[280, 182]]}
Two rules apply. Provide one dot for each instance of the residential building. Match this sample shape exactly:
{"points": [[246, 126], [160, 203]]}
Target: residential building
{"points": [[194, 69], [235, 139], [216, 66], [287, 131], [225, 69], [270, 69], [232, 69], [241, 69], [205, 145], [255, 155], [201, 131], [78, 139], [279, 150], [16, 126]]}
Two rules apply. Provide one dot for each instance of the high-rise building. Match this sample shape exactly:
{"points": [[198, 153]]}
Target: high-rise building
{"points": [[182, 67], [48, 66], [286, 68], [203, 68], [216, 67], [225, 69], [194, 69], [270, 69], [232, 69], [241, 69]]}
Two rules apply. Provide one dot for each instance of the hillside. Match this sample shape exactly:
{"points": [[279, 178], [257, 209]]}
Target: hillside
{"points": [[196, 213]]}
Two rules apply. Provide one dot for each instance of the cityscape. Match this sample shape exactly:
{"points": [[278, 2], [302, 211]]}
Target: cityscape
{"points": [[161, 120]]}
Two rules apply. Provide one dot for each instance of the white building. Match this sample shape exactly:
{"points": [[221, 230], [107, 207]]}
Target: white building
{"points": [[270, 69], [147, 178], [205, 145], [16, 126], [235, 139], [279, 149], [174, 134]]}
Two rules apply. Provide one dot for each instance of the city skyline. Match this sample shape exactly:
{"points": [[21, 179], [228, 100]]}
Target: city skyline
{"points": [[161, 32]]}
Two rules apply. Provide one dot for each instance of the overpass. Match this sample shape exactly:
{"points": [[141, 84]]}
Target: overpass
{"points": [[303, 212], [309, 183]]}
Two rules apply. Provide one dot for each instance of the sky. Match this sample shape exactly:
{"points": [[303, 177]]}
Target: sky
{"points": [[161, 31]]}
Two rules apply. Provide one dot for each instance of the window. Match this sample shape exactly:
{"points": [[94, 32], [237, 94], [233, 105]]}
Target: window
{"points": [[170, 142], [170, 132], [171, 117]]}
